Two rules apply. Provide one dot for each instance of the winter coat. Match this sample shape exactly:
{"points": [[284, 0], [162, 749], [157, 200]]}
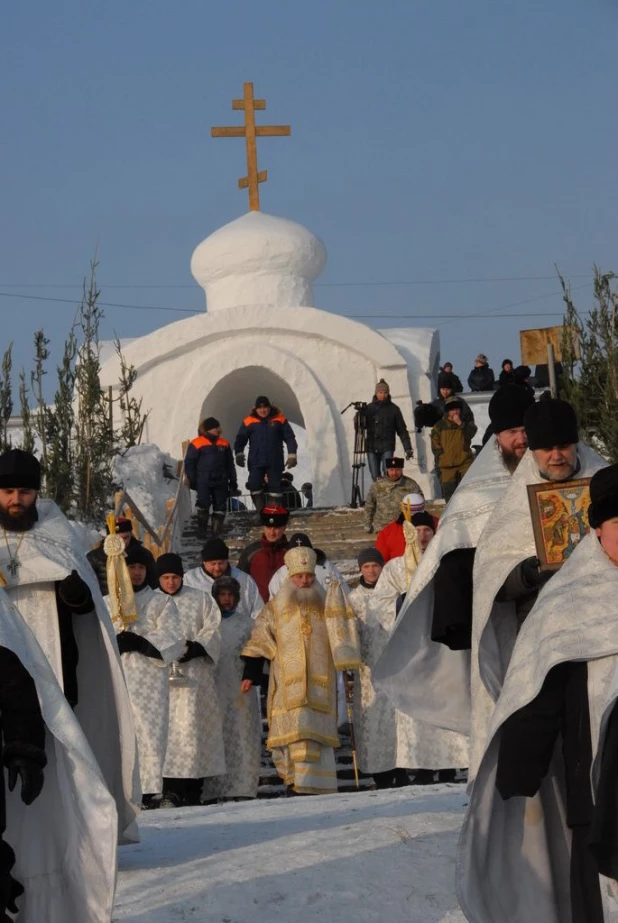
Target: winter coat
{"points": [[506, 378], [262, 560], [383, 501], [481, 379], [266, 438], [466, 413], [209, 463], [98, 562], [384, 422], [450, 443]]}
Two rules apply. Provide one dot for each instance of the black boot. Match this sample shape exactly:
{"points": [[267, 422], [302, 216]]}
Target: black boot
{"points": [[202, 524], [217, 524], [258, 500]]}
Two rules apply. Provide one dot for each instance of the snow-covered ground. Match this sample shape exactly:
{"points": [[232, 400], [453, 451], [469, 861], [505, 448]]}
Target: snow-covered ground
{"points": [[368, 857]]}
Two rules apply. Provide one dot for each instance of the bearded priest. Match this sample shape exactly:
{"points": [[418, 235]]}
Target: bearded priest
{"points": [[47, 577], [308, 634]]}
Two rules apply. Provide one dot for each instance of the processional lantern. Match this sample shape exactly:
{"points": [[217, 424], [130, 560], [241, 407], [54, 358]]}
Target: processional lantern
{"points": [[250, 132]]}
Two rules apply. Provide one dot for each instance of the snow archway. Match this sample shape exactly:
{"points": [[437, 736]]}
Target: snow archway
{"points": [[233, 396]]}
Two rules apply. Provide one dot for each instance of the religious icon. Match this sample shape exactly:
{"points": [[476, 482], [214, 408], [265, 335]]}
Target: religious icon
{"points": [[559, 519]]}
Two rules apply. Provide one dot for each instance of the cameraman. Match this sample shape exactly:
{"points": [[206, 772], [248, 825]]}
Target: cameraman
{"points": [[384, 421]]}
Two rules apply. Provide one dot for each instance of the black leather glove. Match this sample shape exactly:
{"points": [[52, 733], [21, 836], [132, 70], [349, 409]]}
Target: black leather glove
{"points": [[240, 459], [75, 592], [532, 575], [409, 454], [31, 774], [194, 649], [148, 649]]}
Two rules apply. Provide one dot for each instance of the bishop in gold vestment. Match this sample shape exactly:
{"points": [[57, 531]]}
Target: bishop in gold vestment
{"points": [[307, 634]]}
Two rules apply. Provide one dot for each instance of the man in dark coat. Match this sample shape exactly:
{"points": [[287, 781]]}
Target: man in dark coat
{"points": [[262, 559], [211, 472], [448, 369], [384, 421], [98, 559], [447, 383], [267, 431], [481, 378]]}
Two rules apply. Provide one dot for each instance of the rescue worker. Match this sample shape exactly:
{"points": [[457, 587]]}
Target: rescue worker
{"points": [[266, 430], [210, 470]]}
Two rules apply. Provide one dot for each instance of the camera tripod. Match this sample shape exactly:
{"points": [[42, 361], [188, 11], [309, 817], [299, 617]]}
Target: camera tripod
{"points": [[359, 455]]}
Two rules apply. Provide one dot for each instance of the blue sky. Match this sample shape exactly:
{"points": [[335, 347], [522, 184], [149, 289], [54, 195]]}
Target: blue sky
{"points": [[432, 141]]}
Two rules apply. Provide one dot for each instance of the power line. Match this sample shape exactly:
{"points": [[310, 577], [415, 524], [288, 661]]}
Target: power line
{"points": [[390, 282], [374, 317]]}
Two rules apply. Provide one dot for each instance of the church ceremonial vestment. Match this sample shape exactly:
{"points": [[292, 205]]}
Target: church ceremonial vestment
{"points": [[249, 592], [147, 680], [242, 721], [195, 735], [386, 736], [507, 540], [423, 677], [48, 553], [65, 841], [306, 645], [514, 854]]}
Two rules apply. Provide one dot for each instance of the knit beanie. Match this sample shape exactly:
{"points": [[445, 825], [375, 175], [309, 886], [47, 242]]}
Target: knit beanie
{"points": [[446, 380], [424, 519], [215, 549], [370, 556], [210, 423], [262, 401], [137, 554], [382, 386]]}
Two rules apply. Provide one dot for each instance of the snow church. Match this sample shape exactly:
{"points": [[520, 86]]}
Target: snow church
{"points": [[261, 333]]}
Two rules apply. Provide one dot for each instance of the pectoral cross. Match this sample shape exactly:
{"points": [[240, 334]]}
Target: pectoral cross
{"points": [[13, 567], [250, 131]]}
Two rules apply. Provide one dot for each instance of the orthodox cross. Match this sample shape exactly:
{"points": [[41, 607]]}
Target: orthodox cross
{"points": [[250, 131]]}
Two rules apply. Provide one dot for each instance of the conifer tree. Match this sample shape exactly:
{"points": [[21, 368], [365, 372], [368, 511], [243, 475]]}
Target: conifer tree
{"points": [[60, 425], [6, 399], [591, 383], [133, 420], [41, 355], [27, 443]]}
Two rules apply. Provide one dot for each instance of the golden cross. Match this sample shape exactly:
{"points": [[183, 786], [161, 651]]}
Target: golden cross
{"points": [[250, 131]]}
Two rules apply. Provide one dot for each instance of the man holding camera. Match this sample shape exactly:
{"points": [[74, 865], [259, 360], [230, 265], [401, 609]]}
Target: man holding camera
{"points": [[384, 422]]}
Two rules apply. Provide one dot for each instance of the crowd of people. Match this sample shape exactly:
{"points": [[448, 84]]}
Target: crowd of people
{"points": [[142, 680]]}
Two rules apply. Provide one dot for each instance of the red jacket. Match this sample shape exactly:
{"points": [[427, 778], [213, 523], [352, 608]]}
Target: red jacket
{"points": [[266, 562], [390, 541]]}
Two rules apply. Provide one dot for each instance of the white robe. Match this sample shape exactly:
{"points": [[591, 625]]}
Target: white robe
{"points": [[65, 841], [148, 682], [242, 721], [249, 592], [507, 540], [195, 736], [389, 738], [513, 861], [422, 677], [48, 553]]}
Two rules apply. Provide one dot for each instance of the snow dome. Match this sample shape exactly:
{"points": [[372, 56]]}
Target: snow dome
{"points": [[259, 259]]}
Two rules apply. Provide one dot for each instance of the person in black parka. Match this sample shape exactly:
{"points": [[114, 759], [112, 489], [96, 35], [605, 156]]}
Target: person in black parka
{"points": [[384, 422], [210, 469]]}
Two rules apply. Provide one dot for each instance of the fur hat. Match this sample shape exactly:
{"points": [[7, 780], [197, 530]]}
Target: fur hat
{"points": [[394, 462], [226, 583], [262, 401], [123, 525], [508, 406], [452, 403], [170, 563], [215, 549], [300, 561], [603, 496], [274, 516], [481, 358], [550, 423], [522, 373], [370, 556], [507, 362], [446, 380], [210, 423], [382, 386], [137, 554], [424, 519], [20, 469]]}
